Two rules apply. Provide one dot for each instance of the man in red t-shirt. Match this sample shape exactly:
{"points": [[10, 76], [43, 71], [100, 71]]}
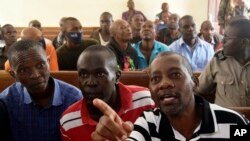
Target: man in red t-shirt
{"points": [[98, 78]]}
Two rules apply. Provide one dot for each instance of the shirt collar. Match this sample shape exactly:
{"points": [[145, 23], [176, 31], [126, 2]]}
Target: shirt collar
{"points": [[57, 98], [208, 124], [182, 42]]}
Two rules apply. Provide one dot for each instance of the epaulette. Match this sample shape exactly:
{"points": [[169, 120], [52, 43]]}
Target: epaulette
{"points": [[220, 55]]}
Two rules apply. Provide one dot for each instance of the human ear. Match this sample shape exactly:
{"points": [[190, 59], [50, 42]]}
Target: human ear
{"points": [[196, 82], [12, 73], [118, 75]]}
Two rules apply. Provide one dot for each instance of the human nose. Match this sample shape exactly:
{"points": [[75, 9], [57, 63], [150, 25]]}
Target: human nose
{"points": [[167, 83], [34, 73], [91, 81]]}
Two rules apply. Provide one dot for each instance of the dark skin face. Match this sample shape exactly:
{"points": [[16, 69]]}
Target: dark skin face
{"points": [[31, 68], [137, 21], [9, 35], [123, 31], [148, 31], [171, 85], [188, 29], [105, 22], [207, 30], [97, 79], [232, 44], [72, 26]]}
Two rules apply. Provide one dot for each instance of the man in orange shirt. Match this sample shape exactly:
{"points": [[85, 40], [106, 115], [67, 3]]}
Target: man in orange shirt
{"points": [[36, 35]]}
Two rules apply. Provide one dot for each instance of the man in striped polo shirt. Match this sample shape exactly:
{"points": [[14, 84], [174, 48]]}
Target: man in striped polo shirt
{"points": [[181, 115], [98, 78]]}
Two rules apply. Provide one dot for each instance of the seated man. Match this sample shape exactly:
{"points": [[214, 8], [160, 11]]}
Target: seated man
{"points": [[35, 101], [69, 52], [126, 55], [32, 33], [197, 51], [37, 24], [136, 22], [170, 34], [148, 48], [227, 74], [9, 35], [59, 40], [99, 78], [207, 34], [102, 35], [180, 113]]}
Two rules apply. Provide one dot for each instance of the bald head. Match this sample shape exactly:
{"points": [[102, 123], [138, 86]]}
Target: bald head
{"points": [[31, 33]]}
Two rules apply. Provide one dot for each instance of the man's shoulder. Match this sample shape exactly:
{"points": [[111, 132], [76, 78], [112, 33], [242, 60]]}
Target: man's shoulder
{"points": [[219, 56], [228, 115], [72, 113], [73, 109], [65, 86]]}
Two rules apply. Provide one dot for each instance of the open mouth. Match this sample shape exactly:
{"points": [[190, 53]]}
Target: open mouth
{"points": [[167, 99]]}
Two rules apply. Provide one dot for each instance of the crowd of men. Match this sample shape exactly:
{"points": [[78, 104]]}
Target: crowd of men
{"points": [[38, 107]]}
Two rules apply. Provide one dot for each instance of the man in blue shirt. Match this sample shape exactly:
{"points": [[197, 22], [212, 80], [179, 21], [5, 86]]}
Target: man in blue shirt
{"points": [[36, 101], [148, 48], [197, 51]]}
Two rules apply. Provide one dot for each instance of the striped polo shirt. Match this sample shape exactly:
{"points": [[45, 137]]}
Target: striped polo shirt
{"points": [[215, 124], [76, 124]]}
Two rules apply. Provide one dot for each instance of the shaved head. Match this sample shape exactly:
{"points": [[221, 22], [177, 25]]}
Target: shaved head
{"points": [[31, 33]]}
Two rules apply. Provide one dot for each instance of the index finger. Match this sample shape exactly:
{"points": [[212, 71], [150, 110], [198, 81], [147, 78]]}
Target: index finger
{"points": [[106, 110]]}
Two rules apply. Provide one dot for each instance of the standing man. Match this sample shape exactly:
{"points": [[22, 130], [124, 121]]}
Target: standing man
{"points": [[120, 44], [148, 48], [180, 113], [9, 37], [227, 75], [102, 35], [197, 51], [69, 52], [35, 101], [99, 78], [165, 9], [131, 11]]}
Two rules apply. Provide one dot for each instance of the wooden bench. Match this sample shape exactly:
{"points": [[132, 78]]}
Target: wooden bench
{"points": [[129, 78], [51, 32]]}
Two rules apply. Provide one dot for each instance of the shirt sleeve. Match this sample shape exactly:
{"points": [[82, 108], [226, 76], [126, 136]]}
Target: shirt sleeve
{"points": [[206, 80]]}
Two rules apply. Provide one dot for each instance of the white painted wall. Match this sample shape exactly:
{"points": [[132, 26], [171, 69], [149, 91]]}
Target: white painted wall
{"points": [[20, 12]]}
